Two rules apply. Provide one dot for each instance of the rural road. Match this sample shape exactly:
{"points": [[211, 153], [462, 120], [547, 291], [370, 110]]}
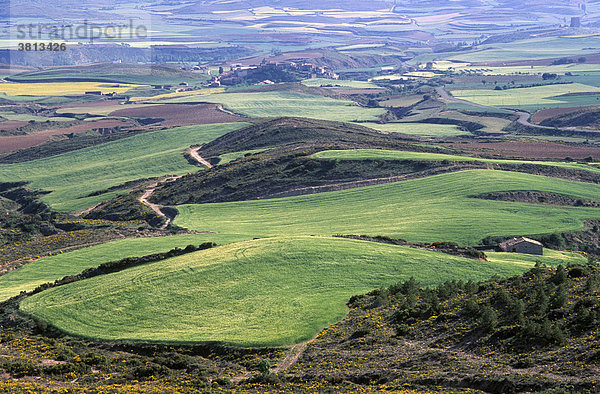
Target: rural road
{"points": [[523, 116], [155, 207], [194, 153]]}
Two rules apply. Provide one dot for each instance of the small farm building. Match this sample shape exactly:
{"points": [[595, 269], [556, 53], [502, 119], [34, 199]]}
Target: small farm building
{"points": [[522, 245]]}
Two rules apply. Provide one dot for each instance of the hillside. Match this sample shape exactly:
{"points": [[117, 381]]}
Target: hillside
{"points": [[529, 333]]}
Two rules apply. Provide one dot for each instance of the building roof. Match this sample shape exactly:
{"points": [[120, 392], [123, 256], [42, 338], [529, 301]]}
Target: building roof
{"points": [[516, 241]]}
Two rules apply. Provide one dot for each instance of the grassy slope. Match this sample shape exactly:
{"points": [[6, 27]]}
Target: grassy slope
{"points": [[438, 130], [75, 174], [56, 267], [275, 104], [360, 154], [436, 208], [261, 292]]}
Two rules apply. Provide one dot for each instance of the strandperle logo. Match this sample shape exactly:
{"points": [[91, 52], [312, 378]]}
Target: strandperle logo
{"points": [[82, 32]]}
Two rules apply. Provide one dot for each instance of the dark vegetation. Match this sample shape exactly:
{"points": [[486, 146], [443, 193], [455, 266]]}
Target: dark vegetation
{"points": [[536, 197], [585, 117], [533, 333], [126, 207], [444, 247]]}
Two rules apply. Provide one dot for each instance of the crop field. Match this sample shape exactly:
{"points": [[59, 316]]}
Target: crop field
{"points": [[339, 84], [73, 175], [362, 154], [179, 114], [436, 208], [429, 129], [520, 97], [530, 149], [179, 94], [272, 291], [61, 88], [49, 269], [10, 143], [531, 49], [275, 104], [96, 108]]}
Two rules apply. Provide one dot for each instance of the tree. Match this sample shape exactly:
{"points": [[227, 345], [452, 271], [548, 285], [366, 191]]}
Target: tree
{"points": [[220, 70], [488, 320]]}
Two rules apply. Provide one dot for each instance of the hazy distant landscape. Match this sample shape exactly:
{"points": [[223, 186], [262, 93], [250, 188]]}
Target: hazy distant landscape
{"points": [[275, 196]]}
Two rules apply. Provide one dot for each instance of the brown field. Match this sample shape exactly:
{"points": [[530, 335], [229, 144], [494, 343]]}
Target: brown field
{"points": [[529, 149], [544, 114], [180, 114], [11, 143], [9, 125]]}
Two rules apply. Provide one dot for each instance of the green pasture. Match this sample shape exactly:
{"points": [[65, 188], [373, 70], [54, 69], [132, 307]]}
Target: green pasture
{"points": [[49, 269], [531, 49], [276, 104], [519, 97], [339, 84], [73, 175], [272, 291], [428, 129], [362, 154], [435, 208]]}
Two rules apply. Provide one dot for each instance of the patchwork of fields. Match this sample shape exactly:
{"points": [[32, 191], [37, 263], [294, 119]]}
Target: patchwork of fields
{"points": [[263, 292], [276, 104]]}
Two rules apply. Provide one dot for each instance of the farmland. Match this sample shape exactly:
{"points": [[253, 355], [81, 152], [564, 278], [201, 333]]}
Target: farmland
{"points": [[276, 104], [362, 154], [61, 88], [404, 210], [534, 97], [55, 267], [417, 128], [74, 175], [263, 292]]}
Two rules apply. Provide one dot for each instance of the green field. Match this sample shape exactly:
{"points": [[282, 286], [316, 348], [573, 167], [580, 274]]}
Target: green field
{"points": [[530, 49], [275, 104], [519, 97], [58, 266], [436, 208], [73, 175], [272, 291], [362, 154], [428, 129], [339, 84]]}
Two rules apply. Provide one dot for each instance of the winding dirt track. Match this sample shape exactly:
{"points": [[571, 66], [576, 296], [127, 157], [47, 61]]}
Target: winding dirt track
{"points": [[523, 116], [193, 152]]}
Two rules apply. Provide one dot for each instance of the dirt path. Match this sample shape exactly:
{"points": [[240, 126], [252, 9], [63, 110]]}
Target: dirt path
{"points": [[155, 207], [194, 153], [222, 109], [524, 117], [291, 358]]}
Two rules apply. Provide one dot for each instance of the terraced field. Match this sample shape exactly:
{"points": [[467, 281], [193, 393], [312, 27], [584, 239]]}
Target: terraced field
{"points": [[436, 208], [276, 104], [262, 292], [362, 154], [74, 175]]}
